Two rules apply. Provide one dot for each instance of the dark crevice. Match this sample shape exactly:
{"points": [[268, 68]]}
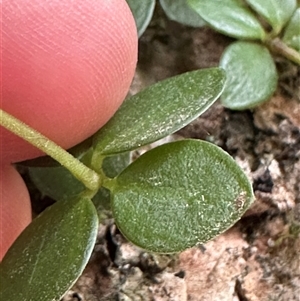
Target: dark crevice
{"points": [[264, 183], [111, 245], [240, 291], [76, 297], [180, 274]]}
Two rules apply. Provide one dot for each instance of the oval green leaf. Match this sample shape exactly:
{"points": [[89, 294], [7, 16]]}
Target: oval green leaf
{"points": [[142, 11], [276, 12], [251, 75], [292, 33], [51, 253], [181, 12], [160, 110], [178, 195], [230, 17]]}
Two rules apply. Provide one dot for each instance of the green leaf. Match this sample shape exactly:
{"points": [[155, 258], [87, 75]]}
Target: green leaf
{"points": [[181, 12], [56, 182], [160, 110], [292, 33], [179, 194], [113, 165], [50, 254], [142, 11], [276, 12], [230, 17], [251, 75]]}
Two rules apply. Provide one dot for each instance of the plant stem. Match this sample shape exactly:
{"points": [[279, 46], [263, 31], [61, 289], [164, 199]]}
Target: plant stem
{"points": [[84, 174], [281, 48]]}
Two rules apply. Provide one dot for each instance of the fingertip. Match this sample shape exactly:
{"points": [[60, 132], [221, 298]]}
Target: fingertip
{"points": [[67, 78], [15, 208]]}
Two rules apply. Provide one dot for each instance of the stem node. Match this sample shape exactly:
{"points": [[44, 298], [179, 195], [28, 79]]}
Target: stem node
{"points": [[278, 46]]}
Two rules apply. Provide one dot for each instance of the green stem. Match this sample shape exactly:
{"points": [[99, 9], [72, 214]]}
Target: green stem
{"points": [[281, 48], [84, 174]]}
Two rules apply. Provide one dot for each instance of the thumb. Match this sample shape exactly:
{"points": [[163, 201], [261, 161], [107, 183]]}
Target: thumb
{"points": [[66, 67]]}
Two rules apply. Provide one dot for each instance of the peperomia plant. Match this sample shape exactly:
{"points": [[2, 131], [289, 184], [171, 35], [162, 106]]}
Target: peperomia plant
{"points": [[177, 10], [262, 26], [173, 197]]}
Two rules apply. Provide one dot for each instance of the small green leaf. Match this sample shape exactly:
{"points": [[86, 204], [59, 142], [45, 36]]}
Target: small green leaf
{"points": [[113, 165], [179, 194], [181, 12], [160, 110], [56, 182], [251, 75], [276, 12], [292, 33], [230, 17], [50, 254], [142, 11]]}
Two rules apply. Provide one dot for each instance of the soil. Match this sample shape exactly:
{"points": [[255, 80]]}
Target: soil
{"points": [[258, 258]]}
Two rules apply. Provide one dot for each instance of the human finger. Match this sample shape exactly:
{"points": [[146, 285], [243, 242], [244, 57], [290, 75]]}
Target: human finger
{"points": [[66, 68]]}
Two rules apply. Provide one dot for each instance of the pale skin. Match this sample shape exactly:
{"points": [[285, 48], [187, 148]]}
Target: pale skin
{"points": [[66, 67]]}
